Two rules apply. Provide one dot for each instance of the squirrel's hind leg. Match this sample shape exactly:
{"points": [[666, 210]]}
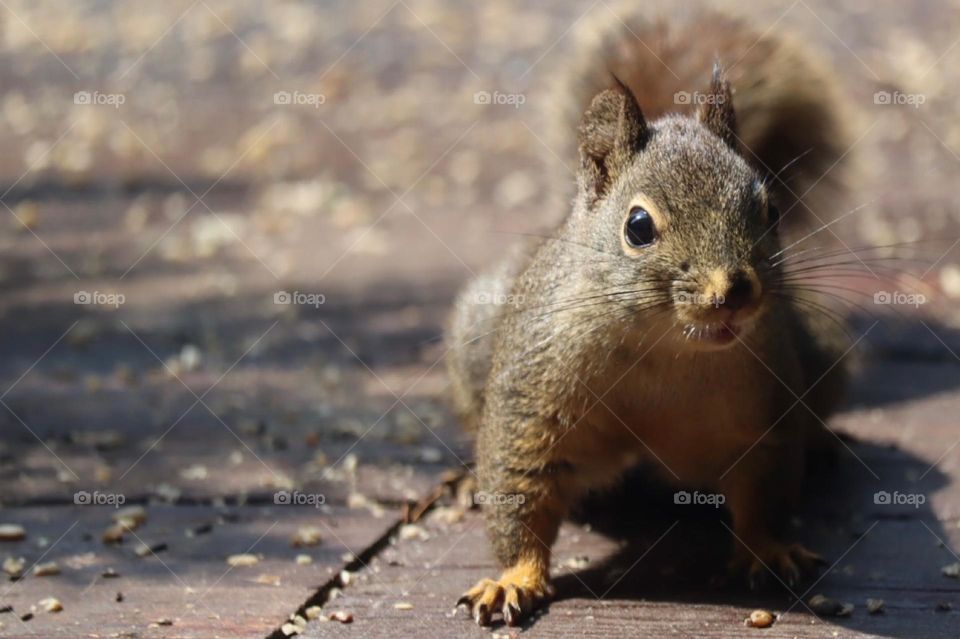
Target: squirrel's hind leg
{"points": [[760, 489], [472, 334]]}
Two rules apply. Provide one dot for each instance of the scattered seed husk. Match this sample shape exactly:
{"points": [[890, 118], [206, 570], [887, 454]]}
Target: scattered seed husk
{"points": [[313, 612], [94, 384], [145, 549], [759, 619], [197, 472], [102, 440], [103, 474], [202, 529], [12, 532], [403, 605], [46, 569], [952, 570], [846, 610], [448, 514], [167, 492], [14, 566], [27, 215], [341, 616], [413, 531], [268, 580], [110, 573], [304, 560], [243, 560], [823, 605], [114, 534], [162, 622], [306, 536], [346, 577], [431, 455], [295, 626], [950, 281], [130, 518], [875, 606], [51, 604], [576, 563]]}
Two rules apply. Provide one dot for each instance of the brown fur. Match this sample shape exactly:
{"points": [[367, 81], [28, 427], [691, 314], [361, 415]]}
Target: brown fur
{"points": [[787, 102], [597, 364]]}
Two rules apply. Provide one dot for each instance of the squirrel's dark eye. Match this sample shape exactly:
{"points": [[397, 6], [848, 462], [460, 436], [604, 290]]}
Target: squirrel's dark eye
{"points": [[773, 215], [639, 230]]}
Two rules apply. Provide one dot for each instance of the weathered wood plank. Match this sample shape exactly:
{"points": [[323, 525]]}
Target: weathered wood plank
{"points": [[187, 580]]}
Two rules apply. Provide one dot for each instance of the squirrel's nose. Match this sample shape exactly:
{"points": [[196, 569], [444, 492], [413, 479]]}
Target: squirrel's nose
{"points": [[732, 290], [741, 290]]}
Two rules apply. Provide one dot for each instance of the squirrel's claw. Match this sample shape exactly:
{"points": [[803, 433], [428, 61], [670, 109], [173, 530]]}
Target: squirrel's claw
{"points": [[515, 602], [790, 563]]}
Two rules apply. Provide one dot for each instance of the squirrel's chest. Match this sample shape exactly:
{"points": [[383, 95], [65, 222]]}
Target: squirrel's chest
{"points": [[686, 414]]}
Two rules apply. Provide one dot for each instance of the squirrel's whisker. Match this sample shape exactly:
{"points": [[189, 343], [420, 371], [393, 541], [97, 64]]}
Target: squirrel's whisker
{"points": [[820, 229], [813, 306], [848, 272], [825, 292], [828, 289], [776, 176], [862, 263], [572, 303], [834, 252]]}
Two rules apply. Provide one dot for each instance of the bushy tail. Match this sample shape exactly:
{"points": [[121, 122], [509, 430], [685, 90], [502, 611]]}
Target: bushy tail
{"points": [[791, 114]]}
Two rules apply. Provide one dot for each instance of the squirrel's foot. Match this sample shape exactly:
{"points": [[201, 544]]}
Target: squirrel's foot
{"points": [[519, 591], [791, 563]]}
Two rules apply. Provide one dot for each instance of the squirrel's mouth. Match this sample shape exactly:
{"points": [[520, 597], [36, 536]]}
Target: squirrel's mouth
{"points": [[712, 333]]}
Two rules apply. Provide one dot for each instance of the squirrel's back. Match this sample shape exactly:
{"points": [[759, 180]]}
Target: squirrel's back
{"points": [[792, 119]]}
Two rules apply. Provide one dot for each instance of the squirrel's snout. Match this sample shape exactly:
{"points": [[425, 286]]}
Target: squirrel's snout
{"points": [[732, 290]]}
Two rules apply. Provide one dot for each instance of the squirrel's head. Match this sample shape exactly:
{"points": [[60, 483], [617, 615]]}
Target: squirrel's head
{"points": [[688, 222]]}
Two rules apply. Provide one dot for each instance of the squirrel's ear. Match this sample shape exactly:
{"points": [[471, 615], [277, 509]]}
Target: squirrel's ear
{"points": [[717, 113], [612, 131]]}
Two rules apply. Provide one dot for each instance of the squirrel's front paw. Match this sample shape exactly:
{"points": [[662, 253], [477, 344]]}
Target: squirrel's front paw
{"points": [[790, 562], [519, 591]]}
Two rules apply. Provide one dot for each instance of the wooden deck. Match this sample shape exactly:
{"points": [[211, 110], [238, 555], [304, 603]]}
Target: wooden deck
{"points": [[240, 422]]}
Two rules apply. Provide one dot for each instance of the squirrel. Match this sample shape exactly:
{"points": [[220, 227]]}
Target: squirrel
{"points": [[654, 326]]}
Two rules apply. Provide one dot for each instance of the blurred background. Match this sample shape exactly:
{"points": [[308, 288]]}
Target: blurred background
{"points": [[231, 230]]}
